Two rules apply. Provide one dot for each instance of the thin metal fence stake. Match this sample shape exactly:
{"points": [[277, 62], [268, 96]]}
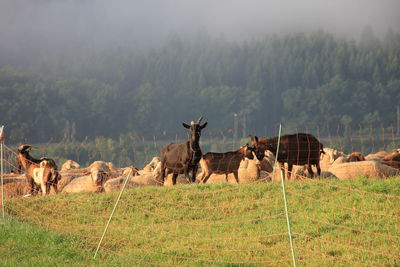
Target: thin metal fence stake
{"points": [[284, 198], [112, 213], [2, 169], [2, 179], [288, 221]]}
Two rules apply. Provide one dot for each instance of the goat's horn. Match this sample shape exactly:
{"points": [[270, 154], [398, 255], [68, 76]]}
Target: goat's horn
{"points": [[199, 120], [24, 148]]}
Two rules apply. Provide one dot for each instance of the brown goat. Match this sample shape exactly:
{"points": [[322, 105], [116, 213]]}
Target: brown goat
{"points": [[224, 163], [294, 149], [40, 173]]}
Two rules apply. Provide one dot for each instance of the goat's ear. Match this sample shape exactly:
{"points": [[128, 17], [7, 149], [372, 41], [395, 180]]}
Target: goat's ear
{"points": [[254, 140], [185, 125], [204, 125]]}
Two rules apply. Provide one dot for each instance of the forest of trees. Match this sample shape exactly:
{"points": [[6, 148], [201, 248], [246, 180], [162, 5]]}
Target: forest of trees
{"points": [[314, 78]]}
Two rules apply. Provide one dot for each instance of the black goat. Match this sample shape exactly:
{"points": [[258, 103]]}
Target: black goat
{"points": [[178, 158], [295, 149]]}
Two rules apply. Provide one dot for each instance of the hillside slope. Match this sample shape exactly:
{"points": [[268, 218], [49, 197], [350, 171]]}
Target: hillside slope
{"points": [[333, 222]]}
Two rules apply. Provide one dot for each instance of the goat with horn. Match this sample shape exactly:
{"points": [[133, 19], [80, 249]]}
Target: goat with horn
{"points": [[183, 157], [40, 173]]}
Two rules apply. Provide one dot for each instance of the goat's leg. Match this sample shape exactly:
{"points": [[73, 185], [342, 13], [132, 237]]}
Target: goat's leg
{"points": [[43, 185], [318, 169], [31, 183], [54, 181], [174, 176], [46, 181], [310, 171], [186, 173], [203, 174], [204, 180], [37, 190], [290, 168], [55, 178], [162, 174], [48, 184], [194, 172], [235, 173], [33, 190], [54, 184]]}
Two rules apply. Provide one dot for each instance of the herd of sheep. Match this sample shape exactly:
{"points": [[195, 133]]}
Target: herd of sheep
{"points": [[177, 160], [103, 176]]}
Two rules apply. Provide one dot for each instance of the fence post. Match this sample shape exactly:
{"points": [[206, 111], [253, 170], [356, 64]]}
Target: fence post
{"points": [[2, 169], [398, 121], [235, 129], [284, 198]]}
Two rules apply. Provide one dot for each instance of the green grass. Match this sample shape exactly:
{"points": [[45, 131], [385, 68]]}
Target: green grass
{"points": [[22, 244], [334, 223]]}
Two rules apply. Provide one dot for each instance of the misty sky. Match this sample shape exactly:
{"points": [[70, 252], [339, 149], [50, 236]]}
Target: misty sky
{"points": [[47, 25]]}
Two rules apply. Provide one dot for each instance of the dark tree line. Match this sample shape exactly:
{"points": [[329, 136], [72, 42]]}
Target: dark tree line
{"points": [[297, 78]]}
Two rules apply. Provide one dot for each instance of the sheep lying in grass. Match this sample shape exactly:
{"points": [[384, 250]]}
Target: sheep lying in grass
{"points": [[250, 171], [137, 178], [155, 161], [69, 165], [392, 160], [378, 156], [92, 181]]}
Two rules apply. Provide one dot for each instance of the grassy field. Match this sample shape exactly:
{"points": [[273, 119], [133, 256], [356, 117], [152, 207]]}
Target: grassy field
{"points": [[334, 223], [22, 244]]}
